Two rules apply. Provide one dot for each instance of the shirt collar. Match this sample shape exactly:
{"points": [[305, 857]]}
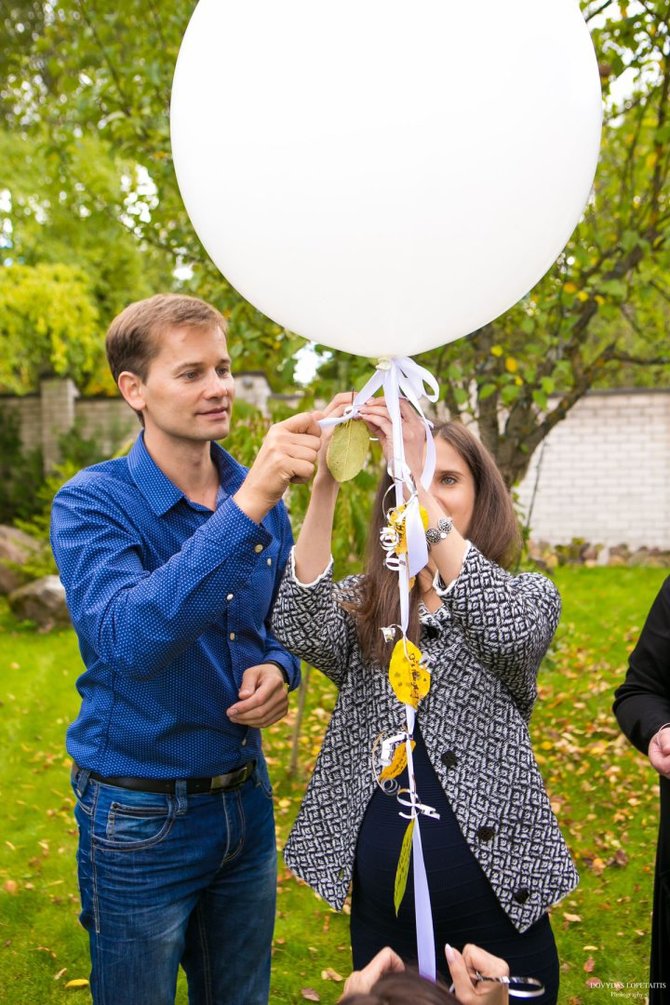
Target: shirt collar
{"points": [[161, 493]]}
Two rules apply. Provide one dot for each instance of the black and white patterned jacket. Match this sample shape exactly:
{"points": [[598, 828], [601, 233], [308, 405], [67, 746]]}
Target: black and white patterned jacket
{"points": [[484, 647]]}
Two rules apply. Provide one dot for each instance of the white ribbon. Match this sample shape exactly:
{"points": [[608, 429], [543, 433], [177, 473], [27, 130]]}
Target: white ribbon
{"points": [[402, 377]]}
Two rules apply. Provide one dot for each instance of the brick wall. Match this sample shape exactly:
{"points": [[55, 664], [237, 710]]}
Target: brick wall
{"points": [[604, 473]]}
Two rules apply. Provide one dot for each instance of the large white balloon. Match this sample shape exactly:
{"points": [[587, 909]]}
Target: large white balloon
{"points": [[385, 176]]}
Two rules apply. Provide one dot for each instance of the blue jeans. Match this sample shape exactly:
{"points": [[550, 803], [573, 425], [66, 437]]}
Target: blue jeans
{"points": [[170, 879]]}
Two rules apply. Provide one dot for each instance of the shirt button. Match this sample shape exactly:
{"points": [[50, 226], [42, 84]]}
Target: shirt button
{"points": [[521, 895], [232, 636], [485, 833], [269, 561], [229, 597], [449, 759], [258, 548]]}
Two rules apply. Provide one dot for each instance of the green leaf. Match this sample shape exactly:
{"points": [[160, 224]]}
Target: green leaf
{"points": [[348, 450], [402, 869], [486, 390]]}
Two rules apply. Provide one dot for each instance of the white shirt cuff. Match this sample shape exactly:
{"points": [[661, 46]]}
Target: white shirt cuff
{"points": [[438, 585], [314, 582]]}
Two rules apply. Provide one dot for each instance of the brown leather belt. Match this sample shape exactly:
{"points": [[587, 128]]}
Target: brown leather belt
{"points": [[217, 783]]}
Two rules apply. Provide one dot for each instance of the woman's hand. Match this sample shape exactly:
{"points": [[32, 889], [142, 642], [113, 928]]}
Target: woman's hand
{"points": [[463, 967], [376, 416], [361, 981]]}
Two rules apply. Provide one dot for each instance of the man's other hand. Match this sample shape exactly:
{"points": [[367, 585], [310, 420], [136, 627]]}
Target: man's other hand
{"points": [[263, 697]]}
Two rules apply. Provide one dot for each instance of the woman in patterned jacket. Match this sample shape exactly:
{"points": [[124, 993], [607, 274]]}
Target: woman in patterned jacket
{"points": [[495, 858]]}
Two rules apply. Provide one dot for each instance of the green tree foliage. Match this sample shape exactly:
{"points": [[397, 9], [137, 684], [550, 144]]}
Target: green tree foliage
{"points": [[21, 471], [88, 84], [48, 325]]}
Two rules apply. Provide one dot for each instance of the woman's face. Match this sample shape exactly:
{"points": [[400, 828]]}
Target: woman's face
{"points": [[453, 485]]}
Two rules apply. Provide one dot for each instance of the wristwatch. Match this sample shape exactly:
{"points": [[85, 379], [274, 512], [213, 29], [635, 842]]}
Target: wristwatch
{"points": [[436, 534]]}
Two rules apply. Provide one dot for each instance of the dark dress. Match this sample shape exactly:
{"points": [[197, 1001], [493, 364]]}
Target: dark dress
{"points": [[642, 706], [464, 906]]}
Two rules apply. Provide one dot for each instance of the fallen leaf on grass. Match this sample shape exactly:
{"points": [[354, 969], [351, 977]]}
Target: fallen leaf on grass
{"points": [[331, 975], [310, 995], [77, 983], [589, 965], [594, 982], [572, 917]]}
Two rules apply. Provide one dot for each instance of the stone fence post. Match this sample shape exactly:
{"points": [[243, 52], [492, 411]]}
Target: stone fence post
{"points": [[57, 398]]}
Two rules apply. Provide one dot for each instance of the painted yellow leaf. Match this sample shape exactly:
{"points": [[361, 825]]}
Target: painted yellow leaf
{"points": [[569, 287], [511, 364], [402, 869], [398, 762], [497, 350], [348, 450], [409, 680]]}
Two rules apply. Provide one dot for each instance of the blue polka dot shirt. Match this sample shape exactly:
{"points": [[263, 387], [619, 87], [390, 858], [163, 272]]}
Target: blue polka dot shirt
{"points": [[171, 604]]}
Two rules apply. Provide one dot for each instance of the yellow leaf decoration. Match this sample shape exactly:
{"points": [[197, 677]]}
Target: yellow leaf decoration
{"points": [[398, 762], [397, 524], [409, 679], [348, 450], [402, 869]]}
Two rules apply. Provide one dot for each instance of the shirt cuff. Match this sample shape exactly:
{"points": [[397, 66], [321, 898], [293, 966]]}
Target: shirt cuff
{"points": [[294, 575], [442, 589], [290, 669]]}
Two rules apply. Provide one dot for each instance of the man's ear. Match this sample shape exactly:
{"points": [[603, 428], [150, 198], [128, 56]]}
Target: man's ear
{"points": [[131, 387]]}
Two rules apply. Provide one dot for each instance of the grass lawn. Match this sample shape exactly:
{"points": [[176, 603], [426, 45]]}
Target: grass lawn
{"points": [[602, 790]]}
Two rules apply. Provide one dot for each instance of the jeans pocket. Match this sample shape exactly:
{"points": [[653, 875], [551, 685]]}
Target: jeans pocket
{"points": [[126, 820], [262, 778]]}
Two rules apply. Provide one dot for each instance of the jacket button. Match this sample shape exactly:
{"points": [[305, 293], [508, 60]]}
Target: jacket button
{"points": [[521, 895], [449, 759], [486, 833]]}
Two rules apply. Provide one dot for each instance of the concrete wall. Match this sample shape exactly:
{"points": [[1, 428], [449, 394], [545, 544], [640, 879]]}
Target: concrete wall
{"points": [[604, 473]]}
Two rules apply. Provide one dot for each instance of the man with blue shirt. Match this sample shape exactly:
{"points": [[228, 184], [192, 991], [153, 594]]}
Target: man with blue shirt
{"points": [[171, 558]]}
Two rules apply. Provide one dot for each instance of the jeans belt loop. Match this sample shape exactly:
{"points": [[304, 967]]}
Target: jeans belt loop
{"points": [[181, 795]]}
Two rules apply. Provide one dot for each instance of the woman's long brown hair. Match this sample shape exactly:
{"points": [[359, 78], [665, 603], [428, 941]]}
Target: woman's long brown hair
{"points": [[494, 530]]}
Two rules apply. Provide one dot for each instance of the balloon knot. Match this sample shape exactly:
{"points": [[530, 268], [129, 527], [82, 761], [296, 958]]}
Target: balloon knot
{"points": [[384, 363]]}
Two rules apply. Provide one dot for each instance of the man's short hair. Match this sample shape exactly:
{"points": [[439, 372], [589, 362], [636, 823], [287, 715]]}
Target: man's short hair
{"points": [[133, 338]]}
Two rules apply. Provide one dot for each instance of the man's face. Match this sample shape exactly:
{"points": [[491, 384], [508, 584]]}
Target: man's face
{"points": [[189, 390]]}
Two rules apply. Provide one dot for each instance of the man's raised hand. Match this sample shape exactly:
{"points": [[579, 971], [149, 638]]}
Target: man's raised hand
{"points": [[288, 454]]}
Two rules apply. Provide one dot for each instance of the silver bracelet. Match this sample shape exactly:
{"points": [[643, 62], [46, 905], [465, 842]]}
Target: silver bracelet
{"points": [[436, 534]]}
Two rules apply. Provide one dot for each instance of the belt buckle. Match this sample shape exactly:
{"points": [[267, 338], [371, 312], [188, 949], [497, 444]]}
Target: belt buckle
{"points": [[218, 782]]}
